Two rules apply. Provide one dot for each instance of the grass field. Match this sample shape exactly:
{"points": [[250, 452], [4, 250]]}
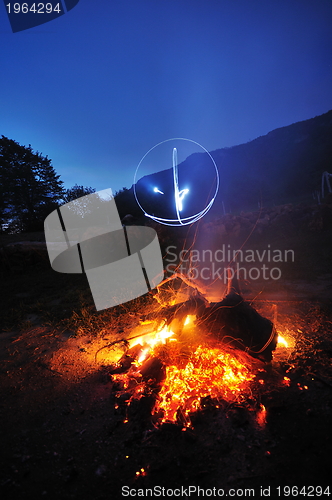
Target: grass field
{"points": [[33, 293]]}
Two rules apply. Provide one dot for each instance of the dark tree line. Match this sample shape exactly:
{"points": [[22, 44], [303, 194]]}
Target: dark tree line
{"points": [[29, 188]]}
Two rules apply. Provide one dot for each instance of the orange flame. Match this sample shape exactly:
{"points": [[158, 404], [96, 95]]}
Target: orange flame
{"points": [[282, 341], [189, 319], [153, 339]]}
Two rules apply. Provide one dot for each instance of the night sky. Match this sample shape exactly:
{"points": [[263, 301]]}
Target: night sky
{"points": [[98, 87]]}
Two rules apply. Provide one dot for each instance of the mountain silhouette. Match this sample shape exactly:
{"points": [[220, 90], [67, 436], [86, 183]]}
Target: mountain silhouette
{"points": [[283, 166]]}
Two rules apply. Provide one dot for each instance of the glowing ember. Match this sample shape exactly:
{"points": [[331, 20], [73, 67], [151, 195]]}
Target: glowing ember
{"points": [[209, 372], [282, 341], [189, 319], [141, 472], [261, 416], [184, 378]]}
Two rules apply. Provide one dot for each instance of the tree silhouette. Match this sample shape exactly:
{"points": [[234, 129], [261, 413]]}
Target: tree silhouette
{"points": [[29, 187], [76, 192]]}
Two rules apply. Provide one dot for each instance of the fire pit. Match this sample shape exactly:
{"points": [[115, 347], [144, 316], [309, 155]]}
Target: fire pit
{"points": [[186, 353]]}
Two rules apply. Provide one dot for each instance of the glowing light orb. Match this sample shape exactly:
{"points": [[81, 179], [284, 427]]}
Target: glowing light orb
{"points": [[156, 190]]}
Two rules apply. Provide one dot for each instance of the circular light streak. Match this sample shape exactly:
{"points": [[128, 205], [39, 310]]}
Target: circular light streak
{"points": [[179, 195]]}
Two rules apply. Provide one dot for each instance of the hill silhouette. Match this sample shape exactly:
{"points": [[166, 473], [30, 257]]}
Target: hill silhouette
{"points": [[284, 166]]}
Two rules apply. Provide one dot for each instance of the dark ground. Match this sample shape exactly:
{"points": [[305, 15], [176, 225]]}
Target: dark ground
{"points": [[63, 439]]}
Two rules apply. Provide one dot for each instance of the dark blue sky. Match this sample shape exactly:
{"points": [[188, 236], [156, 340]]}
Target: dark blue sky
{"points": [[98, 87]]}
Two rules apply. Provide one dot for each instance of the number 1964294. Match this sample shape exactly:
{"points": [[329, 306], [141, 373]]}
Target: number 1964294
{"points": [[35, 8]]}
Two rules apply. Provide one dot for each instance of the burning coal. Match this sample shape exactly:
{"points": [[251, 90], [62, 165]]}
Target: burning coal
{"points": [[210, 372], [179, 379]]}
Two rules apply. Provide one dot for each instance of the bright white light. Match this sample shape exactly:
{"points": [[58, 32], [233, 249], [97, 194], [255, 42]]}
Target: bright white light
{"points": [[178, 195], [181, 195]]}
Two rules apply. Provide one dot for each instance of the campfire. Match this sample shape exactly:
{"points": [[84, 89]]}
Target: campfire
{"points": [[186, 354]]}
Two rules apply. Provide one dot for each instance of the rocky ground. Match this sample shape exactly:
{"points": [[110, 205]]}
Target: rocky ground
{"points": [[62, 437]]}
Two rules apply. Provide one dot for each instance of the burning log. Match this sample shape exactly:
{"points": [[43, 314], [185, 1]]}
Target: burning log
{"points": [[177, 313], [235, 322], [153, 370], [232, 321], [126, 361]]}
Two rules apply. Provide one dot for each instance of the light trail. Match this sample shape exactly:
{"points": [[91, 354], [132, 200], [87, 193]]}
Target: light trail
{"points": [[181, 196], [178, 195]]}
